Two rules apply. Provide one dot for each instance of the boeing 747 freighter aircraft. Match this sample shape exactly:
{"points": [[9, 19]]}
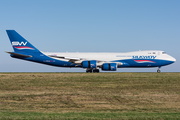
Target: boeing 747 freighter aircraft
{"points": [[92, 62]]}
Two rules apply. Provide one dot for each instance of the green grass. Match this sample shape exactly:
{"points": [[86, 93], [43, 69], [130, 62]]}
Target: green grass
{"points": [[90, 115], [89, 96]]}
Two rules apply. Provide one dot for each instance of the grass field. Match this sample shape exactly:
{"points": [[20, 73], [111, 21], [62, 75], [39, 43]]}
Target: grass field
{"points": [[90, 96]]}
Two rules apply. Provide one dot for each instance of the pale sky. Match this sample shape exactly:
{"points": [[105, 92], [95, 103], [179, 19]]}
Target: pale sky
{"points": [[90, 26]]}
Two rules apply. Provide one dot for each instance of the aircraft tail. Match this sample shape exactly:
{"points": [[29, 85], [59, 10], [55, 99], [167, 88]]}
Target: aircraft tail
{"points": [[20, 44]]}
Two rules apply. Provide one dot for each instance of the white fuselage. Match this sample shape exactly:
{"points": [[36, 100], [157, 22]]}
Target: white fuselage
{"points": [[160, 55]]}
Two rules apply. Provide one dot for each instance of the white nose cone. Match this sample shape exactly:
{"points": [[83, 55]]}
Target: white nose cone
{"points": [[173, 59], [170, 59]]}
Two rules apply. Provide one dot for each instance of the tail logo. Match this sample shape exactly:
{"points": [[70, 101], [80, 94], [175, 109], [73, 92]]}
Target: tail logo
{"points": [[17, 45]]}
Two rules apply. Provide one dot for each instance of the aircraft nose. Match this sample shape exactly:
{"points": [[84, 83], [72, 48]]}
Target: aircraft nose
{"points": [[173, 59]]}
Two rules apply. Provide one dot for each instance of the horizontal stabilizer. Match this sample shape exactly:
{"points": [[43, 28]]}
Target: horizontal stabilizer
{"points": [[19, 55]]}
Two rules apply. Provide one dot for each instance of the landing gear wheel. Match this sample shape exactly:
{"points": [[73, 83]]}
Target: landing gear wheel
{"points": [[89, 71], [96, 71], [158, 71]]}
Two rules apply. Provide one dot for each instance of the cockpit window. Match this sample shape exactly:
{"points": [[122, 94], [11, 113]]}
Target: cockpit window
{"points": [[163, 52]]}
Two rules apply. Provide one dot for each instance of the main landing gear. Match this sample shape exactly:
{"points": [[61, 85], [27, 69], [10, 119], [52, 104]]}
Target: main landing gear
{"points": [[92, 70], [158, 71]]}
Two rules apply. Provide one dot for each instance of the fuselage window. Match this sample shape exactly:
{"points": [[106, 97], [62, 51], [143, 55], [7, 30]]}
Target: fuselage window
{"points": [[163, 52]]}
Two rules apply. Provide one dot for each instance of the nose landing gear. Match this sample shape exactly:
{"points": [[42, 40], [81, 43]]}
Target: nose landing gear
{"points": [[158, 71]]}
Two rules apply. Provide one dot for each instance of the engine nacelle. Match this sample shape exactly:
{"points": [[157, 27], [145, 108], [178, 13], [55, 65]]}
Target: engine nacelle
{"points": [[109, 66], [89, 64]]}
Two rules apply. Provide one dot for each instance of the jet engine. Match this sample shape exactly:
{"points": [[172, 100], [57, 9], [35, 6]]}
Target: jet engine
{"points": [[109, 66], [89, 64]]}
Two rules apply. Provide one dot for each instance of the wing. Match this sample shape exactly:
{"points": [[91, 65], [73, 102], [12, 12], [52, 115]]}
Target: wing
{"points": [[79, 61], [70, 59]]}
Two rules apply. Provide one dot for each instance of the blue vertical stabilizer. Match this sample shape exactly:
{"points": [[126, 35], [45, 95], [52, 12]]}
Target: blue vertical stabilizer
{"points": [[20, 44]]}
